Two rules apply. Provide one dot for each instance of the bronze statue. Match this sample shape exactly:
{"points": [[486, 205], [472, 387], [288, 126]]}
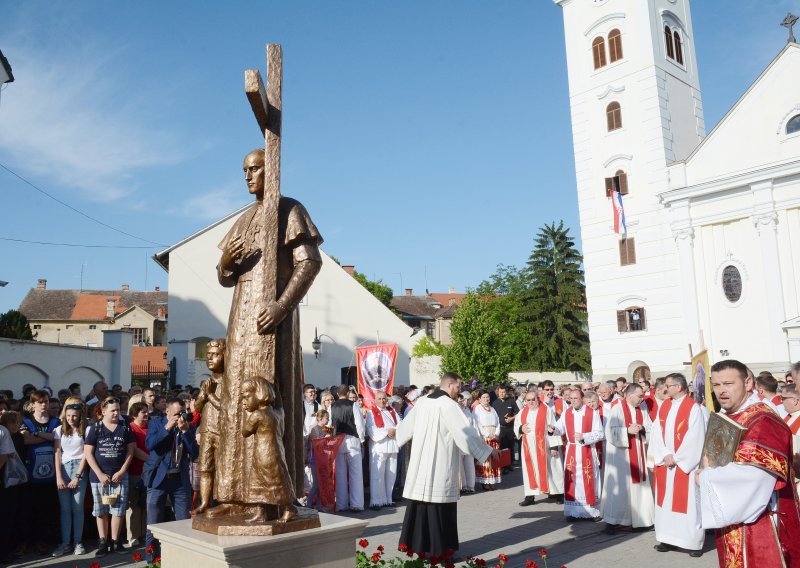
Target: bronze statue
{"points": [[270, 257], [208, 433]]}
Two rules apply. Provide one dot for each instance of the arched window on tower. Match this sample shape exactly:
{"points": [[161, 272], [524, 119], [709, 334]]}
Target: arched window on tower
{"points": [[618, 182], [599, 52], [793, 125], [614, 46], [668, 41], [678, 47], [614, 116]]}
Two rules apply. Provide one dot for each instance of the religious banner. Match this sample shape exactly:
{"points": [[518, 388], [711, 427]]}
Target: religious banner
{"points": [[375, 364], [325, 450], [701, 382]]}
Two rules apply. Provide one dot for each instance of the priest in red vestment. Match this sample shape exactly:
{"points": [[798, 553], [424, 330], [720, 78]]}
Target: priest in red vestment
{"points": [[752, 501]]}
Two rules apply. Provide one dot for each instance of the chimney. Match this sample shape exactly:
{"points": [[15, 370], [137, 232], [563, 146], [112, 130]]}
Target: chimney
{"points": [[452, 290], [110, 307], [125, 287], [42, 284], [350, 269], [452, 302], [409, 291], [158, 288]]}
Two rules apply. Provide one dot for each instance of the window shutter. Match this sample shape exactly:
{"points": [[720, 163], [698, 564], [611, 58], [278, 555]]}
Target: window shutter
{"points": [[623, 253], [631, 251], [643, 319], [678, 48], [609, 186], [614, 45], [668, 41], [623, 182], [622, 321], [599, 52]]}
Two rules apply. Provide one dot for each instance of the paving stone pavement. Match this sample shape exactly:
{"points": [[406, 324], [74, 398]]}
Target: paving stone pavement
{"points": [[490, 523]]}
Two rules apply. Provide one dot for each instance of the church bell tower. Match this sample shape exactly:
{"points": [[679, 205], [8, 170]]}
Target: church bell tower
{"points": [[636, 107]]}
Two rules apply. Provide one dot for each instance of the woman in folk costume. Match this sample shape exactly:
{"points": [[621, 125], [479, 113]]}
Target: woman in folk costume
{"points": [[582, 427], [488, 424], [542, 468], [381, 429]]}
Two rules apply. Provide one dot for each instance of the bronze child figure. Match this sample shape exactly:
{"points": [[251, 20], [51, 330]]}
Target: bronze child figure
{"points": [[268, 482], [208, 433]]}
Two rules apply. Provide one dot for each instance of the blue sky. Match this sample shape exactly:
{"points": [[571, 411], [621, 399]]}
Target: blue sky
{"points": [[428, 139]]}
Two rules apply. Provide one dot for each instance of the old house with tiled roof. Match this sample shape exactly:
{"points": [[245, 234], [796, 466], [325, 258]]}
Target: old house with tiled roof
{"points": [[431, 313], [79, 317]]}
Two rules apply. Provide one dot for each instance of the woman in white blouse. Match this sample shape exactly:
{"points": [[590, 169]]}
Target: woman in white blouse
{"points": [[488, 424], [70, 467]]}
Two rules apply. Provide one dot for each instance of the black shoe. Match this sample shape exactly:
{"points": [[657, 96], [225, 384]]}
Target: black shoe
{"points": [[102, 548], [559, 499], [572, 519], [375, 507], [610, 529], [661, 547], [119, 547], [695, 553], [528, 501]]}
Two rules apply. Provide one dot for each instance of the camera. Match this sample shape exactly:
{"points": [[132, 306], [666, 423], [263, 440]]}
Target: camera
{"points": [[187, 416]]}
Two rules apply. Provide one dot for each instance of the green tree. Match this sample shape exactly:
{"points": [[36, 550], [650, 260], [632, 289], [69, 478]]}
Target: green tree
{"points": [[14, 325], [375, 287], [554, 304], [427, 346], [479, 347]]}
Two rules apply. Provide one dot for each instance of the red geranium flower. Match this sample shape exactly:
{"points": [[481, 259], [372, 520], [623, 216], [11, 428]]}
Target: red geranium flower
{"points": [[150, 549], [480, 562], [531, 564], [94, 565], [449, 564], [447, 554], [380, 548], [543, 553], [363, 543], [502, 558], [403, 547], [376, 556], [137, 557], [157, 560]]}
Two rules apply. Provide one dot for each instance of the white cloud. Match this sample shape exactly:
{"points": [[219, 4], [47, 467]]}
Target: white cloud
{"points": [[214, 204], [74, 117]]}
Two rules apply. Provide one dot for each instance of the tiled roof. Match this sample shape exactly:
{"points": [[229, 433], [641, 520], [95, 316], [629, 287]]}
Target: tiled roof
{"points": [[448, 299], [426, 306], [86, 305], [154, 355]]}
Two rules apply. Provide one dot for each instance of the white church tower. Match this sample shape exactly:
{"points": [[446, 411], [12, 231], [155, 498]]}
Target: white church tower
{"points": [[636, 108]]}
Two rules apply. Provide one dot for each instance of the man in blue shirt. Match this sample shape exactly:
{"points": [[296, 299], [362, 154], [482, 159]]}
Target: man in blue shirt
{"points": [[172, 446]]}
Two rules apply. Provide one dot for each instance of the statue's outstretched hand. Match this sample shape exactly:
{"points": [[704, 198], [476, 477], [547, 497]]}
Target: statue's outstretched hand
{"points": [[270, 317], [232, 253]]}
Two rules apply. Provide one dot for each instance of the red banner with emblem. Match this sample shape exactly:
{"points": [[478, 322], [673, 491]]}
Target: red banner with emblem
{"points": [[325, 450], [375, 365]]}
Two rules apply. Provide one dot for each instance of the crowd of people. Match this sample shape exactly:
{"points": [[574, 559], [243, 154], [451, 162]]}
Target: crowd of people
{"points": [[117, 456], [628, 454]]}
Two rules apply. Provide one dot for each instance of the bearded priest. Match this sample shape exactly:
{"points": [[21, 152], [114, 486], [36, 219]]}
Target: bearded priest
{"points": [[542, 468], [752, 501], [627, 498]]}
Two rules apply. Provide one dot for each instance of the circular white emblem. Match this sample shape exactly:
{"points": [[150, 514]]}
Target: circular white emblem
{"points": [[376, 368]]}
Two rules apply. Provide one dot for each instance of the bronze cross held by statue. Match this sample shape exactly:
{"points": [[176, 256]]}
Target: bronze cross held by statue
{"points": [[267, 105]]}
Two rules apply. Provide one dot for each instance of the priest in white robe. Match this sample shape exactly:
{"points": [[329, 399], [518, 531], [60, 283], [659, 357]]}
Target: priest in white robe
{"points": [[676, 442], [382, 424], [627, 498], [582, 428], [790, 397], [542, 468]]}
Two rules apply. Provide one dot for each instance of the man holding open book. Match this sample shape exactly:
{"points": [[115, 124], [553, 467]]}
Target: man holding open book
{"points": [[751, 500]]}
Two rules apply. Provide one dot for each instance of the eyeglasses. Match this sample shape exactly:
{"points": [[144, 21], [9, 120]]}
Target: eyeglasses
{"points": [[548, 389], [77, 406], [110, 400]]}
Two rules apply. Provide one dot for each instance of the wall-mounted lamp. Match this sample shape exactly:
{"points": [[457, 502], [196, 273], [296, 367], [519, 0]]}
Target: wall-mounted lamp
{"points": [[316, 344]]}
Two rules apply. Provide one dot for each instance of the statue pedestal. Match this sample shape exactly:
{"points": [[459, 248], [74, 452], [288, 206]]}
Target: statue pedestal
{"points": [[333, 545]]}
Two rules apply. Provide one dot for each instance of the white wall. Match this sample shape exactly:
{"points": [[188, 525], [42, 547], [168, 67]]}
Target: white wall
{"points": [[344, 313], [57, 366]]}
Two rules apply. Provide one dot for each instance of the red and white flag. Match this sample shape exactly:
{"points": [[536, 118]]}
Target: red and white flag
{"points": [[619, 213], [375, 364]]}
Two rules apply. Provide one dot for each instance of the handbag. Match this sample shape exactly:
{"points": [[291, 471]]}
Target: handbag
{"points": [[14, 473]]}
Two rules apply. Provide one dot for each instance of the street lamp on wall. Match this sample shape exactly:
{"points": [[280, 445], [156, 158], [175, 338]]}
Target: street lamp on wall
{"points": [[316, 343]]}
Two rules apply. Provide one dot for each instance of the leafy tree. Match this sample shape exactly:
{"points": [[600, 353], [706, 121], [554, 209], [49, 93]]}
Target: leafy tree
{"points": [[554, 304], [427, 346], [479, 347], [375, 287], [14, 325]]}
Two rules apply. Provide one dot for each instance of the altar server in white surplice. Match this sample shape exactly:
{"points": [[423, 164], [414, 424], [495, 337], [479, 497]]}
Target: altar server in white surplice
{"points": [[582, 428], [627, 497], [381, 427], [542, 468], [676, 442]]}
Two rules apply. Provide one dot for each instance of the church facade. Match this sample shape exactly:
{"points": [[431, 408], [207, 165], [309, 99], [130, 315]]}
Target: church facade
{"points": [[690, 240]]}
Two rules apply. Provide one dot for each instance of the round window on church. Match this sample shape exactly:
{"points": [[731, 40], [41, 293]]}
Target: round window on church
{"points": [[732, 283]]}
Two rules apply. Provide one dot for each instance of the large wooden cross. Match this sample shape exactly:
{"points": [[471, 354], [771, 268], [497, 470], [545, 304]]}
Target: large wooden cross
{"points": [[266, 105]]}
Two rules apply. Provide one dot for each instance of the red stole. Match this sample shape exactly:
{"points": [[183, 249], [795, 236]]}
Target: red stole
{"points": [[793, 426], [378, 416], [586, 465], [652, 408], [599, 445], [680, 491], [635, 445], [541, 449], [767, 444], [776, 400]]}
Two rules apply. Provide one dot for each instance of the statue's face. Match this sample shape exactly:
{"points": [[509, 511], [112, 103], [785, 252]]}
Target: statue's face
{"points": [[254, 173], [215, 359], [249, 398]]}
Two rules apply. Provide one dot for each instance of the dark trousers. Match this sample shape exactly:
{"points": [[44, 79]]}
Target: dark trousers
{"points": [[39, 519], [180, 496], [10, 511]]}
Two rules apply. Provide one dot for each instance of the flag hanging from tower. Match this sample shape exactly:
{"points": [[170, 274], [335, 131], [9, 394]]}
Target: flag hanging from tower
{"points": [[619, 213]]}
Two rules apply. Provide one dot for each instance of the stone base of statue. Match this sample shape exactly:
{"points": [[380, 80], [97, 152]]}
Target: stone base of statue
{"points": [[237, 525], [332, 545]]}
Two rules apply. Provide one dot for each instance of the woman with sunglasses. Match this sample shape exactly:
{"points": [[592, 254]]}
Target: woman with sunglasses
{"points": [[70, 466]]}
